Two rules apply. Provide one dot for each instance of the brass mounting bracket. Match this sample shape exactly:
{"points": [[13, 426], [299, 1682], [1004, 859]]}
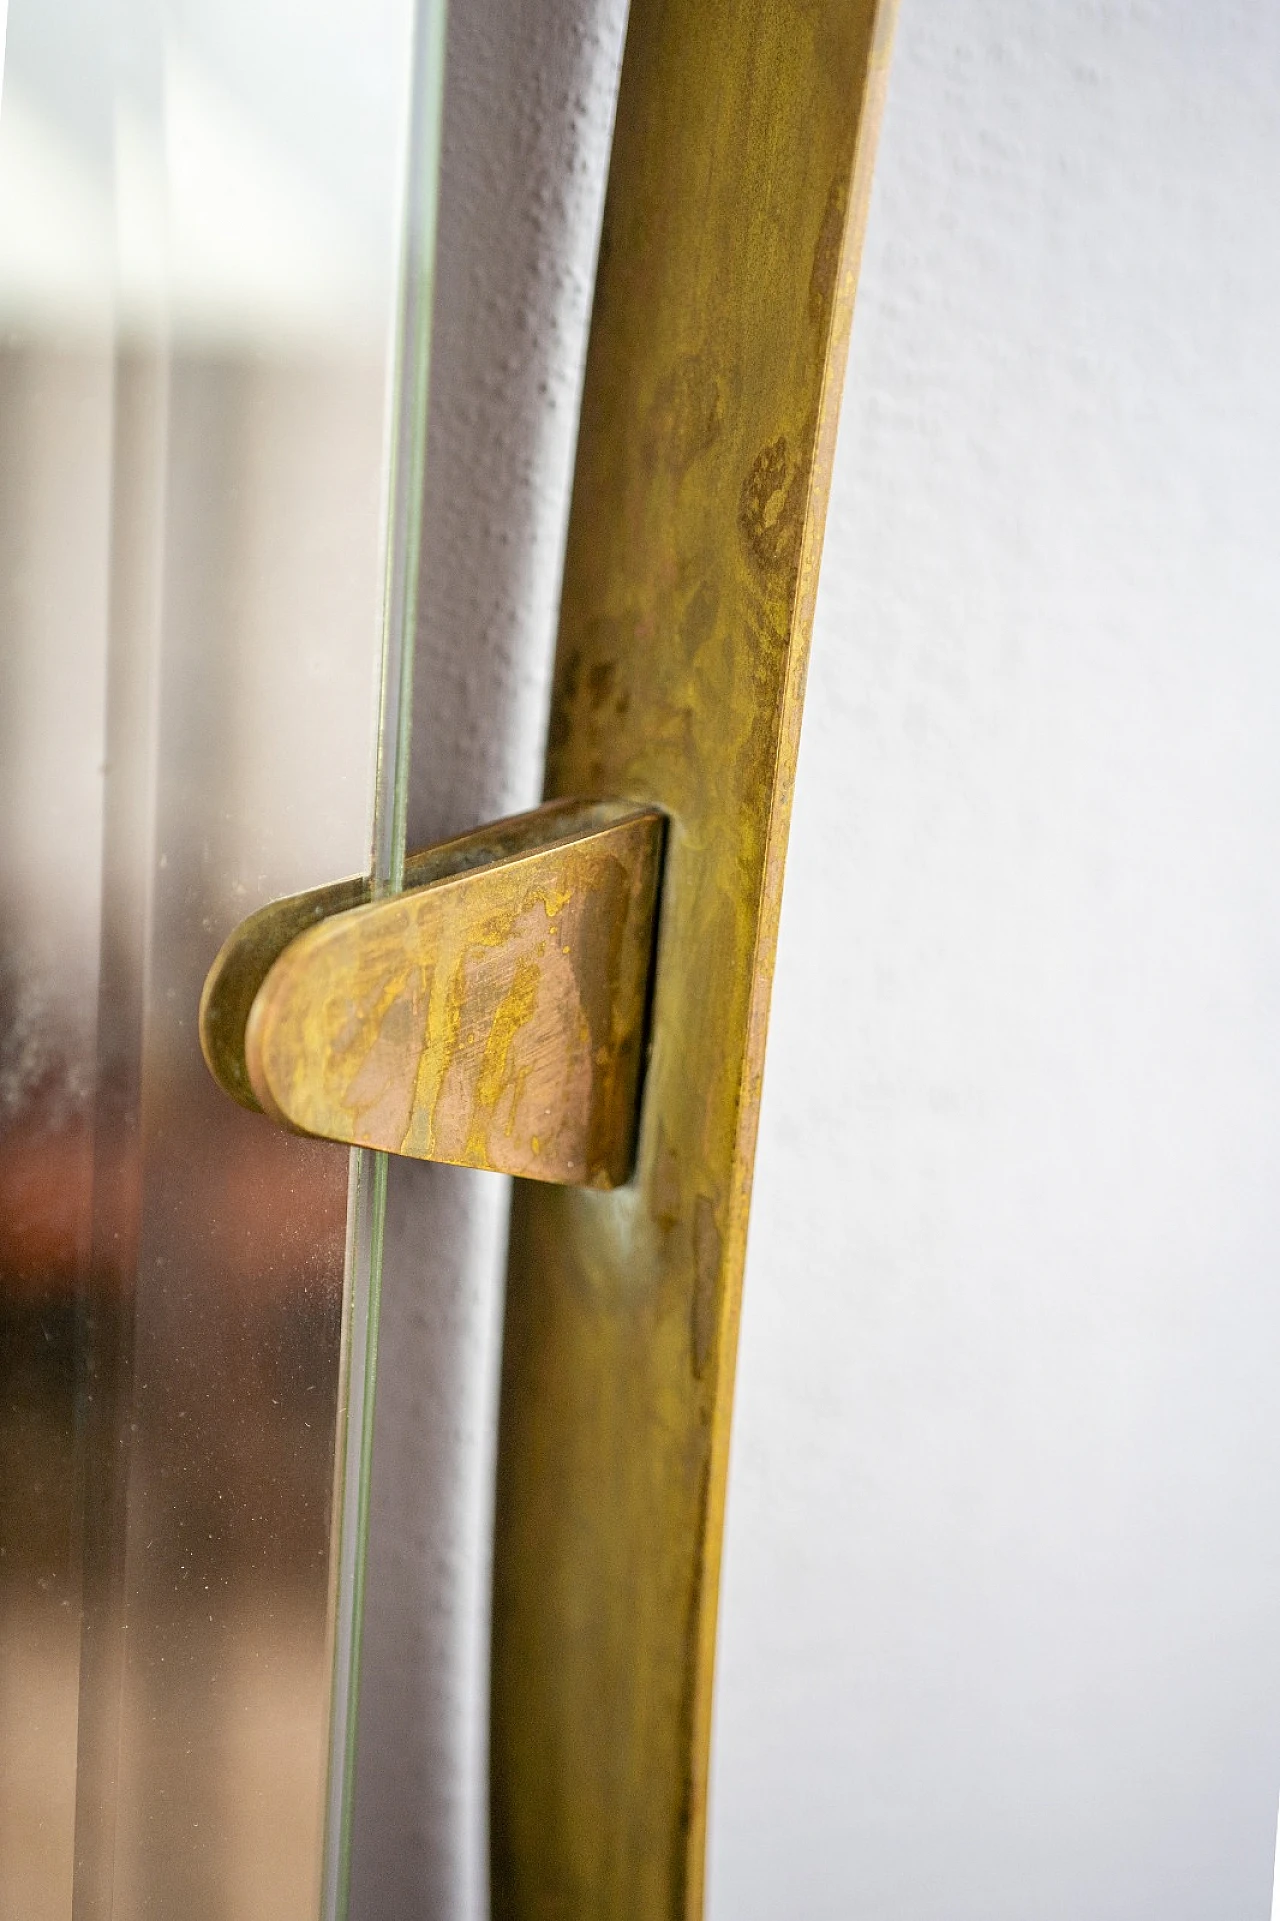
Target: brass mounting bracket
{"points": [[491, 1015]]}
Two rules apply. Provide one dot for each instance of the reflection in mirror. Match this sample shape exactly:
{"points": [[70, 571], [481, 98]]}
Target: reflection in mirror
{"points": [[199, 223]]}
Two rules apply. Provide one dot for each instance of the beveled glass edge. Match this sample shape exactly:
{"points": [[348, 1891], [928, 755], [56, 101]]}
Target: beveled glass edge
{"points": [[367, 1190]]}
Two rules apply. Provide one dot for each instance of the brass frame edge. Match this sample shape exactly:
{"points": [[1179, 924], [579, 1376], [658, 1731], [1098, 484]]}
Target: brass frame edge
{"points": [[707, 441], [870, 118]]}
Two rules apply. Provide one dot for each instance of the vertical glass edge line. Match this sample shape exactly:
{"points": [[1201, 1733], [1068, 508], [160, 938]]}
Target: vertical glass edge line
{"points": [[364, 1479], [411, 380], [407, 436], [337, 1637]]}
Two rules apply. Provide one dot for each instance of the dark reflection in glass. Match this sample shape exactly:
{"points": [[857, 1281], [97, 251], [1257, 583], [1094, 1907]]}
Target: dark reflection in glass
{"points": [[55, 398]]}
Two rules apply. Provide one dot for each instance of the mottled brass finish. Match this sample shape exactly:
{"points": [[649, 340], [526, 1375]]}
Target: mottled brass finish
{"points": [[491, 1015], [734, 216], [251, 950], [243, 963]]}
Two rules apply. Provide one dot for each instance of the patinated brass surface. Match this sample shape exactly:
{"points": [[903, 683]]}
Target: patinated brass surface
{"points": [[492, 1015], [734, 216], [242, 965]]}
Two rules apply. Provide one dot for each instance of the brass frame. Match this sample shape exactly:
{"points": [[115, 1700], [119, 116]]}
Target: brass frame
{"points": [[734, 218]]}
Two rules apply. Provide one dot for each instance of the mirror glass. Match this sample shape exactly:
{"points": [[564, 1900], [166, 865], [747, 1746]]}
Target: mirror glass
{"points": [[200, 221]]}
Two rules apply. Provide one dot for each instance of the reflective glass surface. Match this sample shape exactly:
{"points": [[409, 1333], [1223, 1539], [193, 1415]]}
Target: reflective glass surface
{"points": [[200, 216]]}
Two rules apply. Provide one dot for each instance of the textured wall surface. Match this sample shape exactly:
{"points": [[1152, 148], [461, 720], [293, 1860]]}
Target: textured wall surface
{"points": [[1002, 1573], [1002, 1577], [528, 120]]}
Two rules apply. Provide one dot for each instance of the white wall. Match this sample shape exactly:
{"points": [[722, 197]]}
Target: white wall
{"points": [[1002, 1584], [1001, 1612]]}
